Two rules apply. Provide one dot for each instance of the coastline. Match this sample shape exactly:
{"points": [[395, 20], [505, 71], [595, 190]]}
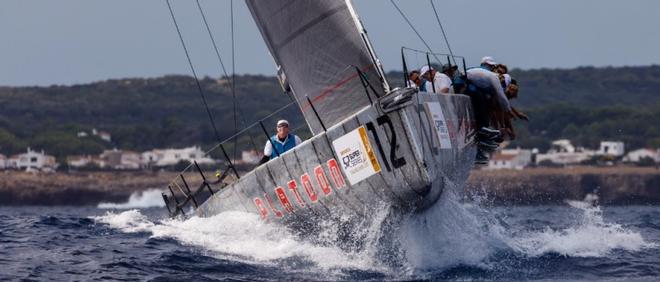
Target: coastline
{"points": [[618, 185], [76, 188]]}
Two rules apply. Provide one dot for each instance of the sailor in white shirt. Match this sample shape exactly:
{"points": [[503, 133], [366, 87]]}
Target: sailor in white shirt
{"points": [[441, 82], [283, 141], [449, 71]]}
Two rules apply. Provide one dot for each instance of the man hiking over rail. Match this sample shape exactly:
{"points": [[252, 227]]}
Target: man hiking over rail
{"points": [[282, 140], [484, 85]]}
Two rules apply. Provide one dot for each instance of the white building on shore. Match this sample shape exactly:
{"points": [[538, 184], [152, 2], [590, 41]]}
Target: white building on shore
{"points": [[81, 161], [32, 160], [640, 154], [611, 148], [3, 162], [564, 153], [120, 159], [168, 157], [510, 159]]}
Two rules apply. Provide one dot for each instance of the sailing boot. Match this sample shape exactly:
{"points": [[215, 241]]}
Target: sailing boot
{"points": [[488, 145], [481, 158], [486, 133]]}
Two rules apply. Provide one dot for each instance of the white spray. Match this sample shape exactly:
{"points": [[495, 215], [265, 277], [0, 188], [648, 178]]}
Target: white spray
{"points": [[449, 233], [141, 199]]}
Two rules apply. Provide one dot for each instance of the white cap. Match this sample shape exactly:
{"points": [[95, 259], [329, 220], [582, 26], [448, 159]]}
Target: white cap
{"points": [[488, 60], [424, 69], [282, 121]]}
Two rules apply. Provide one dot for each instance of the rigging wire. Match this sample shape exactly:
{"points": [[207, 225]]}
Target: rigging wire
{"points": [[424, 52], [192, 68], [232, 82], [233, 74], [415, 30], [215, 46], [443, 31]]}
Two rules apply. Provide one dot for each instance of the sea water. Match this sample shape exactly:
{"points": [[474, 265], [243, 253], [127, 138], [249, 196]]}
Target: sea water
{"points": [[454, 240]]}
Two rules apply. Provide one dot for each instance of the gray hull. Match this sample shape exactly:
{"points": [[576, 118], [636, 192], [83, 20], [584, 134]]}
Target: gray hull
{"points": [[403, 159]]}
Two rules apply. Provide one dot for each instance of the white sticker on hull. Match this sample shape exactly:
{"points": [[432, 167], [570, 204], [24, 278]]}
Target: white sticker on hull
{"points": [[439, 123], [356, 156]]}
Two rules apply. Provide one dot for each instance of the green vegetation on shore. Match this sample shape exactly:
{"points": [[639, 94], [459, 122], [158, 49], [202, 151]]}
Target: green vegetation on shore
{"points": [[140, 114], [585, 105], [589, 104]]}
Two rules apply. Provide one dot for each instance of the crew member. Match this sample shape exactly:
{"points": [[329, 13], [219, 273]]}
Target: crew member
{"points": [[283, 141], [415, 79], [501, 120], [441, 82], [484, 85], [451, 73]]}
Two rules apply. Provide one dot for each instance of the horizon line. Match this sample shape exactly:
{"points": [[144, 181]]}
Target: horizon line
{"points": [[274, 75]]}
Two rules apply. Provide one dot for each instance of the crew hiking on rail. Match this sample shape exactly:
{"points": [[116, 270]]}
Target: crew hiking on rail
{"points": [[283, 141], [490, 88]]}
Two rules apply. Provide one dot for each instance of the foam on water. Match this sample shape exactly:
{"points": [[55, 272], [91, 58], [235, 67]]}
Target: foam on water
{"points": [[141, 199], [590, 236], [448, 234], [243, 237]]}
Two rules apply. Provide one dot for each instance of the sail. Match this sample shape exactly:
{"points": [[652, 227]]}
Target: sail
{"points": [[317, 45]]}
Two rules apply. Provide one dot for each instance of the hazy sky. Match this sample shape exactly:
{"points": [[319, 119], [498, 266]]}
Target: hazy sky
{"points": [[79, 41]]}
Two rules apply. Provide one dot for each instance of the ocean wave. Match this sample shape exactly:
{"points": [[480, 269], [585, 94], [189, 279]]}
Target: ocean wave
{"points": [[590, 236], [140, 199]]}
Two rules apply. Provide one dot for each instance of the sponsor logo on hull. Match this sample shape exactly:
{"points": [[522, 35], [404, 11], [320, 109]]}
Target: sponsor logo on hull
{"points": [[357, 156], [439, 124], [309, 187], [357, 162], [307, 183], [293, 186]]}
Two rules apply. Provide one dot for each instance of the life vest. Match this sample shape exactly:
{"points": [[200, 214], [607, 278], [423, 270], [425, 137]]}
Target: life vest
{"points": [[281, 147], [422, 87]]}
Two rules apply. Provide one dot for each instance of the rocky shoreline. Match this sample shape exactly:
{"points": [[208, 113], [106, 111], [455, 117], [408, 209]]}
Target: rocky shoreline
{"points": [[619, 185], [612, 185], [76, 189]]}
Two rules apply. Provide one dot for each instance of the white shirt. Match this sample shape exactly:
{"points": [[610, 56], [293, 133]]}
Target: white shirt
{"points": [[268, 149], [507, 80], [488, 80], [441, 82]]}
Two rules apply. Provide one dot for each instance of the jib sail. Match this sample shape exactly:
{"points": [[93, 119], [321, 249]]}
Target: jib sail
{"points": [[318, 45]]}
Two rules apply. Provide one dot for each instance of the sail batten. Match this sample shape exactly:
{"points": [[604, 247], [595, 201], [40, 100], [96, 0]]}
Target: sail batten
{"points": [[318, 46]]}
